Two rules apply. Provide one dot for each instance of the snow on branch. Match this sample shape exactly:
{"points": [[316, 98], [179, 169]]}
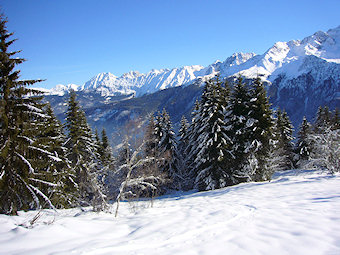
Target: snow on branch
{"points": [[44, 182], [27, 139], [40, 150], [43, 196], [31, 169], [31, 108]]}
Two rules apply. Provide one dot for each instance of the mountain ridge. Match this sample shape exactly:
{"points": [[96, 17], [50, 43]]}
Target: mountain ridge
{"points": [[288, 58]]}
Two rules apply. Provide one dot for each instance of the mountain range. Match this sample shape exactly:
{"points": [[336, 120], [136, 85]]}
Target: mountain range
{"points": [[299, 75]]}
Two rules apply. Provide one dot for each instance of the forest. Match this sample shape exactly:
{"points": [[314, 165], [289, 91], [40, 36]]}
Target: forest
{"points": [[234, 136]]}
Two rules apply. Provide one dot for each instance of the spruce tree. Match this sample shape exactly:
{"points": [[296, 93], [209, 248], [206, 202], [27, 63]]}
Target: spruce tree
{"points": [[168, 149], [261, 129], [284, 140], [242, 165], [304, 143], [55, 167], [323, 119], [183, 138], [24, 184], [82, 153], [150, 138], [212, 138], [105, 150], [335, 121]]}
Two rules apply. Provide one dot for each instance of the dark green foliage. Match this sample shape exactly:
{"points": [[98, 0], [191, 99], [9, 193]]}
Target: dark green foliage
{"points": [[323, 119], [241, 123], [210, 145], [105, 150], [150, 138], [167, 147], [335, 121], [261, 130], [304, 143], [53, 162], [284, 147], [83, 156], [32, 168]]}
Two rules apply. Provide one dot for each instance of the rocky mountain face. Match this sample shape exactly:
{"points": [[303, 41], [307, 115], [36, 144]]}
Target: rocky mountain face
{"points": [[300, 75]]}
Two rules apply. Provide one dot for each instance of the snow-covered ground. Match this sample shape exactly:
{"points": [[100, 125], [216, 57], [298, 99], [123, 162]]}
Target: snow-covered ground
{"points": [[298, 212]]}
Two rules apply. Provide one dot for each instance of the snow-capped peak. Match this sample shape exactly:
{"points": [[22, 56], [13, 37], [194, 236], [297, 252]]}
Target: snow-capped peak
{"points": [[61, 89], [290, 58]]}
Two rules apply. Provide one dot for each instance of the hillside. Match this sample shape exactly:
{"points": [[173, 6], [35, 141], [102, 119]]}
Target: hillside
{"points": [[296, 213]]}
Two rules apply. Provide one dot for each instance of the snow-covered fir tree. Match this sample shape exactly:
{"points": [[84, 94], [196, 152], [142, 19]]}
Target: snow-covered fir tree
{"points": [[183, 140], [150, 138], [51, 140], [27, 163], [82, 153], [284, 146], [167, 148], [325, 140], [212, 140], [322, 120], [304, 143], [190, 148], [183, 135], [243, 163], [261, 131], [106, 153], [335, 121]]}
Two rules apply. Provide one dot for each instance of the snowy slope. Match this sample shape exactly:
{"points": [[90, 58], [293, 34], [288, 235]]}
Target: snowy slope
{"points": [[290, 59], [295, 213]]}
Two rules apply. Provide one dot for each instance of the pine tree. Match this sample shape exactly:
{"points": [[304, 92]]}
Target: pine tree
{"points": [[105, 150], [323, 119], [168, 149], [190, 148], [284, 141], [212, 140], [335, 121], [261, 130], [243, 166], [23, 183], [55, 167], [183, 140], [150, 138], [304, 143], [82, 153], [183, 131], [325, 139]]}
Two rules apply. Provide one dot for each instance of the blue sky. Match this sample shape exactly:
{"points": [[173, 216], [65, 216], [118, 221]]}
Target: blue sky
{"points": [[70, 41]]}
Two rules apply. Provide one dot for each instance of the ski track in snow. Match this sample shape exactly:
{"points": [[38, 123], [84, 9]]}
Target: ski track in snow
{"points": [[296, 213]]}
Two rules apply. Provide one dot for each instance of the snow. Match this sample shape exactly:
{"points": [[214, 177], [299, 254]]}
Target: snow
{"points": [[296, 213], [286, 58]]}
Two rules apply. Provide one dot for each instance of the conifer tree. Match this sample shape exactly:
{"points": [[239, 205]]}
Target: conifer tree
{"points": [[212, 138], [183, 137], [168, 149], [284, 140], [50, 138], [304, 143], [191, 138], [150, 138], [23, 184], [105, 150], [261, 129], [335, 121], [183, 140], [243, 167], [323, 119], [82, 153]]}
